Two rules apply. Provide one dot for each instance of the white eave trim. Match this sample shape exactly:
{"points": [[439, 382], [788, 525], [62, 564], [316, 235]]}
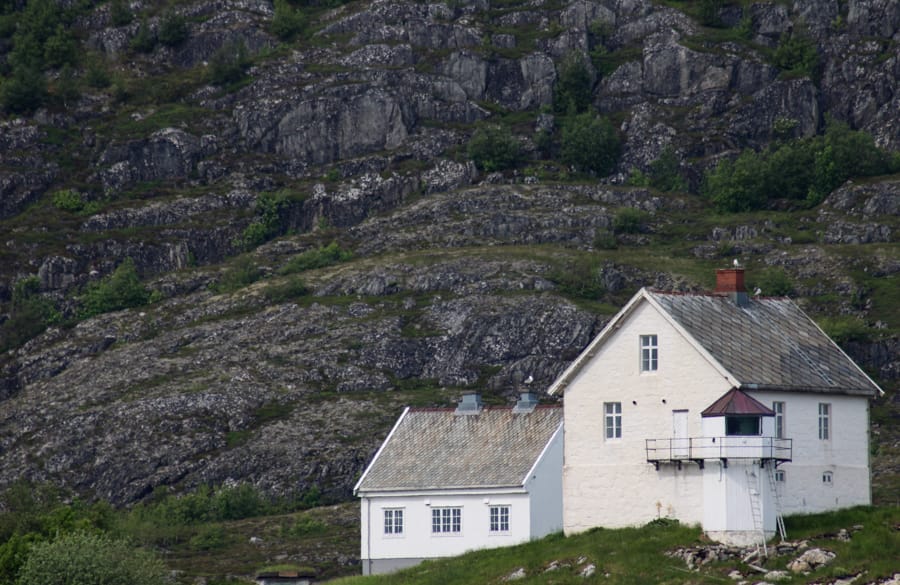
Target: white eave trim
{"points": [[380, 449], [444, 492]]}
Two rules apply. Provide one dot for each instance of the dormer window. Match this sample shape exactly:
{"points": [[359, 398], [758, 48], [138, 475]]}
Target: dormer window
{"points": [[649, 353], [742, 426]]}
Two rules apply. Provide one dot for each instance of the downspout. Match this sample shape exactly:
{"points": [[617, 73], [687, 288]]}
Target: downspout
{"points": [[369, 533]]}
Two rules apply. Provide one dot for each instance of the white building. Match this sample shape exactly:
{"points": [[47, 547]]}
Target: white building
{"points": [[446, 481], [718, 409]]}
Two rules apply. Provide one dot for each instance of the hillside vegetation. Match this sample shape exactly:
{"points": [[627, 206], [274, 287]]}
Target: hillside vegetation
{"points": [[239, 236]]}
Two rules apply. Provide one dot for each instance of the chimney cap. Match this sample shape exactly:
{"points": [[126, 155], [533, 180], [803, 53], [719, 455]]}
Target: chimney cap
{"points": [[470, 403]]}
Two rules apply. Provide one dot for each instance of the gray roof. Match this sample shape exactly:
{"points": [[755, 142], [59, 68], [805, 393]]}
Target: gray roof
{"points": [[769, 343], [438, 449]]}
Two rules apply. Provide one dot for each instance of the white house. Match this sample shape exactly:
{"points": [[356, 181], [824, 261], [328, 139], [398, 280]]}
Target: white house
{"points": [[716, 409], [446, 481]]}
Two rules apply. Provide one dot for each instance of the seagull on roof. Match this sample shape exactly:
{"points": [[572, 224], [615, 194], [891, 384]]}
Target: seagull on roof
{"points": [[736, 263], [757, 291], [529, 379]]}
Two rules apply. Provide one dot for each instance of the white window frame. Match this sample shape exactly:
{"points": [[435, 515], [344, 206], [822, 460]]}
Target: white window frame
{"points": [[780, 476], [498, 519], [446, 521], [612, 421], [779, 409], [825, 425], [393, 522], [649, 353]]}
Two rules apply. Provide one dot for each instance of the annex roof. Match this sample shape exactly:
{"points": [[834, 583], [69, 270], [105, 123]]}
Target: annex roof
{"points": [[736, 402], [761, 344], [431, 449]]}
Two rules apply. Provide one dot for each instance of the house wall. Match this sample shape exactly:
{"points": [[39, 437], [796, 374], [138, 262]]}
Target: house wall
{"points": [[382, 553], [609, 482], [845, 454], [545, 488]]}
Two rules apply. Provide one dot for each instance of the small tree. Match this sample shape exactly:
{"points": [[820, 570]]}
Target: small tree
{"points": [[173, 30], [665, 172], [144, 40], [90, 559], [120, 290], [494, 148], [590, 144], [229, 64], [573, 89], [288, 22]]}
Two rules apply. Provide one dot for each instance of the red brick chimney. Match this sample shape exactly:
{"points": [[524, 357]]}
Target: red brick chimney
{"points": [[730, 280]]}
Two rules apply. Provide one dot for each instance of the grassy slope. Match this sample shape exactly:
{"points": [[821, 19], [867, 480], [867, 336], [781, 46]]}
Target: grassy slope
{"points": [[637, 555]]}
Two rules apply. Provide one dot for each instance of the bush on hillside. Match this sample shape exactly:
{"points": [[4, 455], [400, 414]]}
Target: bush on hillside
{"points": [[173, 30], [288, 22], [573, 88], [590, 144], [120, 290], [494, 148], [229, 64], [90, 559]]}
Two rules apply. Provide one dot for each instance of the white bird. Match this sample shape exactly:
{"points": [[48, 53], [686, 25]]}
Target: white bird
{"points": [[529, 379], [736, 263], [757, 292]]}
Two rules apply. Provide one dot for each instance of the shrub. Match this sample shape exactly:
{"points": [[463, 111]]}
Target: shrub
{"points": [[229, 64], [629, 220], [120, 290], [494, 148], [288, 22], [665, 172], [173, 29], [29, 315], [318, 258], [605, 240], [270, 220], [144, 41], [242, 273], [68, 200], [709, 12], [290, 289], [97, 76], [844, 329], [24, 92], [573, 88], [61, 48], [590, 144], [120, 13], [581, 278], [796, 54], [90, 559], [737, 185]]}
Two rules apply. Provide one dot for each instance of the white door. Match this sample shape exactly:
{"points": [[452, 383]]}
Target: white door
{"points": [[681, 443]]}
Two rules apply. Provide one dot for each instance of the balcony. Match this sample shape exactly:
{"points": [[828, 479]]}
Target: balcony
{"points": [[700, 449]]}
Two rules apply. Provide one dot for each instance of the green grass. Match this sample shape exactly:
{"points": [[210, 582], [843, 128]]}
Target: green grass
{"points": [[637, 555]]}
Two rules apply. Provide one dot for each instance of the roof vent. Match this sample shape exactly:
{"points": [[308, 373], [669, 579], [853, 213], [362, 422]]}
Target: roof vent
{"points": [[527, 402], [470, 404], [730, 281]]}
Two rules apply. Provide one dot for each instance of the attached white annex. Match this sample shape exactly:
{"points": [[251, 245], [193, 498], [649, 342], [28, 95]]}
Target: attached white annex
{"points": [[446, 481], [718, 409]]}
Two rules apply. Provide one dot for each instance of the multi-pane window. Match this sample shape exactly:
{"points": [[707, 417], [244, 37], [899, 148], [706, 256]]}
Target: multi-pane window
{"points": [[778, 407], [824, 421], [779, 475], [649, 353], [499, 518], [446, 520], [828, 478], [613, 419], [393, 521]]}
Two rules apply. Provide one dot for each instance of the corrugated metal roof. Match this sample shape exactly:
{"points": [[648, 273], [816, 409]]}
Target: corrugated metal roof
{"points": [[438, 449], [769, 343], [736, 402]]}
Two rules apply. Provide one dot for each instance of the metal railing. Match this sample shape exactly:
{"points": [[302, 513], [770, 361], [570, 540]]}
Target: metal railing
{"points": [[730, 447]]}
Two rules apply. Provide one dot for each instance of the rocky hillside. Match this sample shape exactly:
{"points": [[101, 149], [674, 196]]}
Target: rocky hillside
{"points": [[292, 184]]}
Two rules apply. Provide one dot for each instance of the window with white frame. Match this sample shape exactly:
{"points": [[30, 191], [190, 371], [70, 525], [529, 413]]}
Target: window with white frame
{"points": [[649, 353], [828, 478], [613, 419], [778, 407], [824, 421], [446, 520], [499, 519], [393, 521]]}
